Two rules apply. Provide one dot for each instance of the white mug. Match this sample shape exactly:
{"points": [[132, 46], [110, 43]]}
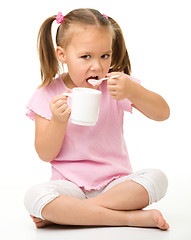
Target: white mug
{"points": [[85, 105]]}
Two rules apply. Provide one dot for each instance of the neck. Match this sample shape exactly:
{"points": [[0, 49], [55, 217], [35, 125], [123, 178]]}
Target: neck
{"points": [[68, 81]]}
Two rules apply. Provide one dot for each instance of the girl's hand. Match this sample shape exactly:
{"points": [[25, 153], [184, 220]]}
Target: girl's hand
{"points": [[119, 88], [59, 108], [147, 102]]}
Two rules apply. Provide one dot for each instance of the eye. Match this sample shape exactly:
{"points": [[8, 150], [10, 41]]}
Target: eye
{"points": [[86, 57], [105, 56]]}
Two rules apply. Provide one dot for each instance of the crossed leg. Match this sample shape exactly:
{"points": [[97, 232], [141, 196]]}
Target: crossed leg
{"points": [[127, 195], [119, 206]]}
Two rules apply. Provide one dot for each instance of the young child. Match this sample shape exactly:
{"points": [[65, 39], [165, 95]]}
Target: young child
{"points": [[92, 180]]}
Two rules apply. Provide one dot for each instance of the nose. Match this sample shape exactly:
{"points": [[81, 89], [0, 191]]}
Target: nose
{"points": [[96, 66]]}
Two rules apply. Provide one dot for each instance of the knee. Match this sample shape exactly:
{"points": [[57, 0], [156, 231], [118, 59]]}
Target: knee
{"points": [[159, 182], [37, 197]]}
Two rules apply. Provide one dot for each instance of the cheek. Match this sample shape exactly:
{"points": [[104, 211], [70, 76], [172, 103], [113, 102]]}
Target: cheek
{"points": [[107, 66], [77, 74]]}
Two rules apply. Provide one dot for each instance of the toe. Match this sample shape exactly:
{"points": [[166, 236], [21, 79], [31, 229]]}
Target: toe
{"points": [[40, 225], [37, 220], [160, 221], [165, 226], [162, 224]]}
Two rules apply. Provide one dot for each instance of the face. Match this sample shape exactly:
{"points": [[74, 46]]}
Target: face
{"points": [[88, 55]]}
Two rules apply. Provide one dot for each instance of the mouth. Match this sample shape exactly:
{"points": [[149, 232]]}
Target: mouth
{"points": [[91, 77]]}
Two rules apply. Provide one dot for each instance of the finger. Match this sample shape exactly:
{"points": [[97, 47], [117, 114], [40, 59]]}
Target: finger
{"points": [[114, 74], [114, 96], [67, 112], [62, 108], [58, 97], [112, 81], [67, 91], [111, 87], [59, 103], [65, 97]]}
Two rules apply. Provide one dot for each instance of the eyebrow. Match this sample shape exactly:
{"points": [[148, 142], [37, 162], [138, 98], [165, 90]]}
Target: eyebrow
{"points": [[110, 51], [89, 53]]}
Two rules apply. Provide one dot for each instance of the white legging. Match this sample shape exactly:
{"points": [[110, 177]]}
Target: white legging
{"points": [[153, 180]]}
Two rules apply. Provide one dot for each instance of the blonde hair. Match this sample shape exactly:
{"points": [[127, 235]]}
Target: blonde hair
{"points": [[47, 55]]}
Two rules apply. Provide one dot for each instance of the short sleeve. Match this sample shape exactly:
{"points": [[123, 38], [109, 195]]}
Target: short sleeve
{"points": [[39, 104], [126, 104]]}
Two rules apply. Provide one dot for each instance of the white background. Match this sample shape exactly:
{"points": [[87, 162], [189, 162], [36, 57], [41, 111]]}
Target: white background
{"points": [[158, 39]]}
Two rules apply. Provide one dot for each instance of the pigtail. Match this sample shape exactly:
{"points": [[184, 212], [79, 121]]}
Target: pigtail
{"points": [[120, 58], [48, 62]]}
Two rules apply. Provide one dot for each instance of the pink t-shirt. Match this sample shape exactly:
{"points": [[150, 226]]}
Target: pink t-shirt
{"points": [[91, 156]]}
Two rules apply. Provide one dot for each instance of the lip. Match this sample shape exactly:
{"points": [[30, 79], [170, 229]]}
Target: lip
{"points": [[91, 77], [88, 84], [96, 77]]}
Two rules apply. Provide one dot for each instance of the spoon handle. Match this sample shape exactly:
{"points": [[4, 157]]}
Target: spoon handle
{"points": [[109, 77]]}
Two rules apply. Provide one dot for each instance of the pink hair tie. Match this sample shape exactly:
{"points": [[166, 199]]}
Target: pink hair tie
{"points": [[105, 15], [59, 18]]}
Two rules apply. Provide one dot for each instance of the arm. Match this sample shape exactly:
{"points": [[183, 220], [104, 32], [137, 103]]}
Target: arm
{"points": [[147, 102], [49, 134]]}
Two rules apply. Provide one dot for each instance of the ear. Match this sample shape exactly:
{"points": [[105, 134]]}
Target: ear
{"points": [[60, 54]]}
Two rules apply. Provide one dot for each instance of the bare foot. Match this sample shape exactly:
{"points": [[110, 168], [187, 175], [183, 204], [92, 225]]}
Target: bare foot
{"points": [[40, 223], [147, 218], [135, 218]]}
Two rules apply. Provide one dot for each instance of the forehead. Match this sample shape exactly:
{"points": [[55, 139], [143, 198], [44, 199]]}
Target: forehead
{"points": [[85, 35]]}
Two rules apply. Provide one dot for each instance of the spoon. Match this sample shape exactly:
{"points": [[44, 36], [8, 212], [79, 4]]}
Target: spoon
{"points": [[94, 82]]}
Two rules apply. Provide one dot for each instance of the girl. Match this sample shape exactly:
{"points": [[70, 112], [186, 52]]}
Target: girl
{"points": [[92, 180]]}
